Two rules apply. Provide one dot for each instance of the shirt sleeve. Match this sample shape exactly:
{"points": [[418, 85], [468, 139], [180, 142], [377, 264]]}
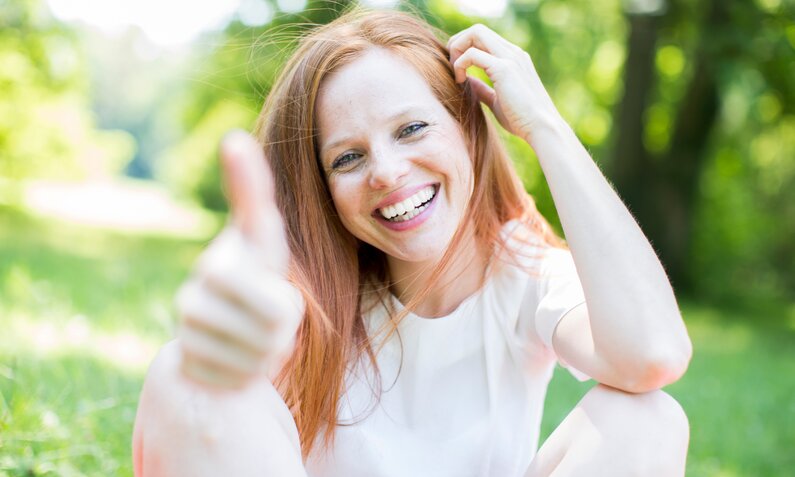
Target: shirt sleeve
{"points": [[559, 292]]}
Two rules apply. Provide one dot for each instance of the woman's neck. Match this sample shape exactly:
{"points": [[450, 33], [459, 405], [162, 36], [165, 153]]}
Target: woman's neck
{"points": [[461, 278]]}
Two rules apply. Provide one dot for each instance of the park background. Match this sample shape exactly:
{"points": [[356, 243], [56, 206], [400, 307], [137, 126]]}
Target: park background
{"points": [[110, 117]]}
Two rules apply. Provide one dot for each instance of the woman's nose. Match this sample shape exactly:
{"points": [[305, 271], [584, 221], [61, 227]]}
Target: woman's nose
{"points": [[386, 168]]}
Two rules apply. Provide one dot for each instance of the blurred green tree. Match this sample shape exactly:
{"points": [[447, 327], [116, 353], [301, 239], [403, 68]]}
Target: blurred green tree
{"points": [[228, 91], [46, 125], [687, 107]]}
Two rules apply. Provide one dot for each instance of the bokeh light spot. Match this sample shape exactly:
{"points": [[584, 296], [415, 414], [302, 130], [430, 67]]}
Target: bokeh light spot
{"points": [[670, 61]]}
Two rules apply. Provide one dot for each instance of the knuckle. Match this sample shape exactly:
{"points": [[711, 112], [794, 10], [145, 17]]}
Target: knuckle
{"points": [[200, 315], [190, 319], [191, 353], [189, 342], [209, 352]]}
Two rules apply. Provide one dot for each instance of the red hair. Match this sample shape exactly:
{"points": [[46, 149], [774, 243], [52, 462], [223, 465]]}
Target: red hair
{"points": [[332, 269]]}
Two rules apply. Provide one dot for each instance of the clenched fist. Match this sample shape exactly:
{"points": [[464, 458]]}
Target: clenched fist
{"points": [[238, 313]]}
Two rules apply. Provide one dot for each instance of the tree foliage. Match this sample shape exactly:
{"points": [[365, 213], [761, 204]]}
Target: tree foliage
{"points": [[694, 127], [687, 109], [47, 128]]}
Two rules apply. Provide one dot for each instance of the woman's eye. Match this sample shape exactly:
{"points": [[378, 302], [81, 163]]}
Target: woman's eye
{"points": [[411, 129], [344, 160]]}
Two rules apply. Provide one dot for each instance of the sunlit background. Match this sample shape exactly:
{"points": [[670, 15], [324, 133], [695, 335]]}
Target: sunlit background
{"points": [[110, 116]]}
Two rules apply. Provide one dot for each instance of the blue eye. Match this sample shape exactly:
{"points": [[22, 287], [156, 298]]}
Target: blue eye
{"points": [[411, 129], [344, 160]]}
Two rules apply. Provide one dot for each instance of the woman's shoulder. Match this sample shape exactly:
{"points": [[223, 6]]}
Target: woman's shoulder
{"points": [[522, 253], [520, 245]]}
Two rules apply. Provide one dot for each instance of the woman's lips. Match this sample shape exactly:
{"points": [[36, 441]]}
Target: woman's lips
{"points": [[402, 194], [413, 222]]}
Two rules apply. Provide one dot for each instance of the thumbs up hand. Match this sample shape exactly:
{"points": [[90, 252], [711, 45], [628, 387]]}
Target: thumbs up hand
{"points": [[238, 312]]}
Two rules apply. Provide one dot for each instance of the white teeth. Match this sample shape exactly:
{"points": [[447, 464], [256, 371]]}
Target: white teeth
{"points": [[409, 215], [401, 208], [408, 208]]}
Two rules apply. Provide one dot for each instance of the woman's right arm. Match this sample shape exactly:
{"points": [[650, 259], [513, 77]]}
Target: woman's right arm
{"points": [[207, 402]]}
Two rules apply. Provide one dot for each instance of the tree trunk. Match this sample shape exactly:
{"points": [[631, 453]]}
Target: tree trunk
{"points": [[631, 158], [680, 169], [662, 191]]}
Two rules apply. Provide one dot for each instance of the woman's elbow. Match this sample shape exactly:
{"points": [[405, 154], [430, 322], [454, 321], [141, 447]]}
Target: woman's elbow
{"points": [[661, 368]]}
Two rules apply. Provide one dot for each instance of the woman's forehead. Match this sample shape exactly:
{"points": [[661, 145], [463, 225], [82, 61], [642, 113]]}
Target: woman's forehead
{"points": [[371, 89], [379, 77]]}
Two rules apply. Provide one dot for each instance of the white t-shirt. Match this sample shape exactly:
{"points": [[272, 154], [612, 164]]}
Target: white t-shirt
{"points": [[462, 395]]}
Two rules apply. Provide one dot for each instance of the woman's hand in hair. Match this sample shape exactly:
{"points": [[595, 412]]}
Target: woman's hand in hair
{"points": [[239, 314], [518, 98]]}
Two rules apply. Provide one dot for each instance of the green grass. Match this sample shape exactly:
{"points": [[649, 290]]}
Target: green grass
{"points": [[82, 311], [738, 393], [81, 314]]}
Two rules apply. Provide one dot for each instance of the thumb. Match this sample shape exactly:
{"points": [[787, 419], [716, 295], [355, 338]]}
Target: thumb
{"points": [[250, 188]]}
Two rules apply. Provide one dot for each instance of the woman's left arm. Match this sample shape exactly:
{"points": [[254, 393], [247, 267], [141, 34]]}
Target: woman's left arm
{"points": [[631, 335]]}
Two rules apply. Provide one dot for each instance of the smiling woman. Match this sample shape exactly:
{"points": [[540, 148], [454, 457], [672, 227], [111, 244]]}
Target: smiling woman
{"points": [[387, 299], [400, 146]]}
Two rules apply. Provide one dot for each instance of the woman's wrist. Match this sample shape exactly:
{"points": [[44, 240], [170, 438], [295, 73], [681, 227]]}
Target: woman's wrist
{"points": [[549, 127]]}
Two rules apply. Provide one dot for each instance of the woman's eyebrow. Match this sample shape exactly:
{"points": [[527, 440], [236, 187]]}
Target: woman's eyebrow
{"points": [[411, 110], [327, 147]]}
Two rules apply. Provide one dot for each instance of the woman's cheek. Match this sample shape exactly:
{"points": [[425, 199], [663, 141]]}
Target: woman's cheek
{"points": [[344, 197]]}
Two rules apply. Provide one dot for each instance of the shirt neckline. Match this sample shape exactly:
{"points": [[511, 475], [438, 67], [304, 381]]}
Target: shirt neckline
{"points": [[471, 299], [461, 309]]}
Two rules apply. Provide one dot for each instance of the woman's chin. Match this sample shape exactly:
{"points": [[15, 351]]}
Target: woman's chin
{"points": [[423, 249]]}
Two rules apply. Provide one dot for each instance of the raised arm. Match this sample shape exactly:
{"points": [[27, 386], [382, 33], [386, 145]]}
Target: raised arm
{"points": [[631, 334], [207, 407]]}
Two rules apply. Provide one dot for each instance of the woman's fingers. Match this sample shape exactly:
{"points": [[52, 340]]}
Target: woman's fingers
{"points": [[227, 269], [252, 202], [210, 357], [235, 311], [483, 92], [247, 182], [480, 37], [239, 312], [475, 57], [518, 98], [214, 315], [486, 95], [204, 372]]}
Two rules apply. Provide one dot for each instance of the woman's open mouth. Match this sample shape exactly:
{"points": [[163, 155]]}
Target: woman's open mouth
{"points": [[409, 212]]}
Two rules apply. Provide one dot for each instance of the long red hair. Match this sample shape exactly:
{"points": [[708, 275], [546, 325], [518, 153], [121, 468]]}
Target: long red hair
{"points": [[329, 265]]}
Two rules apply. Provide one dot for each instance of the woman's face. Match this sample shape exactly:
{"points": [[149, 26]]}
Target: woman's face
{"points": [[396, 161]]}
